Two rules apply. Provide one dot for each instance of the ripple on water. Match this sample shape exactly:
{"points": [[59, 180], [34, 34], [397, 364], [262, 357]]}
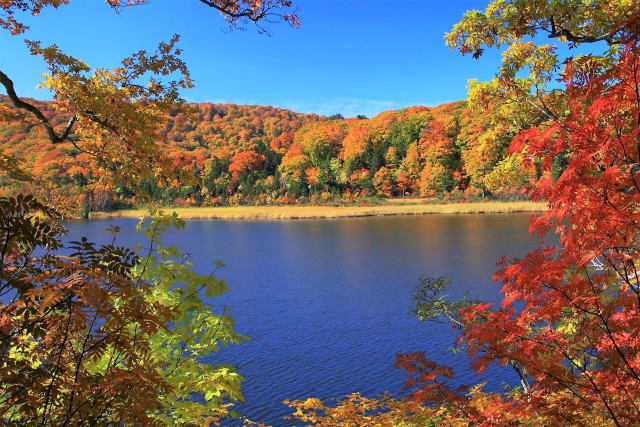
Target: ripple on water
{"points": [[327, 302]]}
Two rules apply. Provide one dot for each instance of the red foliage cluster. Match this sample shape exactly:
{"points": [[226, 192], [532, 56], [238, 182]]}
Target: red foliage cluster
{"points": [[570, 316]]}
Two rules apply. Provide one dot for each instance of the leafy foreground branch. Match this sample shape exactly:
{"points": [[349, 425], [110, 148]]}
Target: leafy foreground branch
{"points": [[106, 334], [569, 319]]}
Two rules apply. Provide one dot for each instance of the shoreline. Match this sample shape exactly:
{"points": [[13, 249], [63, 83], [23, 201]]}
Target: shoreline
{"points": [[326, 212]]}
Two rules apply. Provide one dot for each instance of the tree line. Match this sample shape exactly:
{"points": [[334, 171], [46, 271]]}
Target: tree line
{"points": [[231, 154]]}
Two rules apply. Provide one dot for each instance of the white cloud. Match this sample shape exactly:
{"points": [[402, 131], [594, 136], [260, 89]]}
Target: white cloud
{"points": [[348, 107]]}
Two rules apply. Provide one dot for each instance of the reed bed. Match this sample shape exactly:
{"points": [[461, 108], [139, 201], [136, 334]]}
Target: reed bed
{"points": [[310, 212]]}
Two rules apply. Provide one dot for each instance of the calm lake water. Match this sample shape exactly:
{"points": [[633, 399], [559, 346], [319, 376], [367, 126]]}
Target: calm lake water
{"points": [[328, 302]]}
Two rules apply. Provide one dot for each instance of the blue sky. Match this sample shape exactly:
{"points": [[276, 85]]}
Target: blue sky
{"points": [[349, 56]]}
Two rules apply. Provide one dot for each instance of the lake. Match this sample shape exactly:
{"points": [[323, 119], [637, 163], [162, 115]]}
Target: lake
{"points": [[328, 302]]}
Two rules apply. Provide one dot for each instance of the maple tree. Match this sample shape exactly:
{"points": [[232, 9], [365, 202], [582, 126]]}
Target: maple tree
{"points": [[450, 408], [575, 307], [529, 68], [244, 162], [568, 319]]}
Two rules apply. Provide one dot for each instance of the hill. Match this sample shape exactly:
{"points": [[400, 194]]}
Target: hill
{"points": [[241, 154]]}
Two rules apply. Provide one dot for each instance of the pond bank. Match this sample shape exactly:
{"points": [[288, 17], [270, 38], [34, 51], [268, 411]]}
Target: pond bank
{"points": [[312, 212]]}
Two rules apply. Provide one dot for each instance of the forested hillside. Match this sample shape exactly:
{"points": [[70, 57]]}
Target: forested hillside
{"points": [[262, 155]]}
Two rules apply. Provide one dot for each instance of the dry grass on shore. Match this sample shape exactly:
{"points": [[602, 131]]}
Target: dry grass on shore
{"points": [[308, 212]]}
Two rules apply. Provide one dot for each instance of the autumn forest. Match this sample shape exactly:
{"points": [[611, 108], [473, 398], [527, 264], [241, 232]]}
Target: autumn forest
{"points": [[130, 322], [264, 155]]}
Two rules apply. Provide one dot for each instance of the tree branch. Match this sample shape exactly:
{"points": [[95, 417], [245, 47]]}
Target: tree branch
{"points": [[19, 103], [558, 31], [226, 9]]}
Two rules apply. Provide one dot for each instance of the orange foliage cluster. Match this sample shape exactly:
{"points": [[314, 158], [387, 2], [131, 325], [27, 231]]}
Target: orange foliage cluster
{"points": [[257, 154]]}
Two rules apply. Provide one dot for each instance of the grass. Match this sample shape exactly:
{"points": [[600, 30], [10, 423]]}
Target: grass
{"points": [[419, 207]]}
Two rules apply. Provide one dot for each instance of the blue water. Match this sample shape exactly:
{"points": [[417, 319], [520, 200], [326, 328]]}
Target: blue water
{"points": [[327, 302]]}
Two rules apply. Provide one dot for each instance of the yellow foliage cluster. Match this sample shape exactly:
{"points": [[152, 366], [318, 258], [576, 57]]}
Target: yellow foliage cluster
{"points": [[478, 408]]}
